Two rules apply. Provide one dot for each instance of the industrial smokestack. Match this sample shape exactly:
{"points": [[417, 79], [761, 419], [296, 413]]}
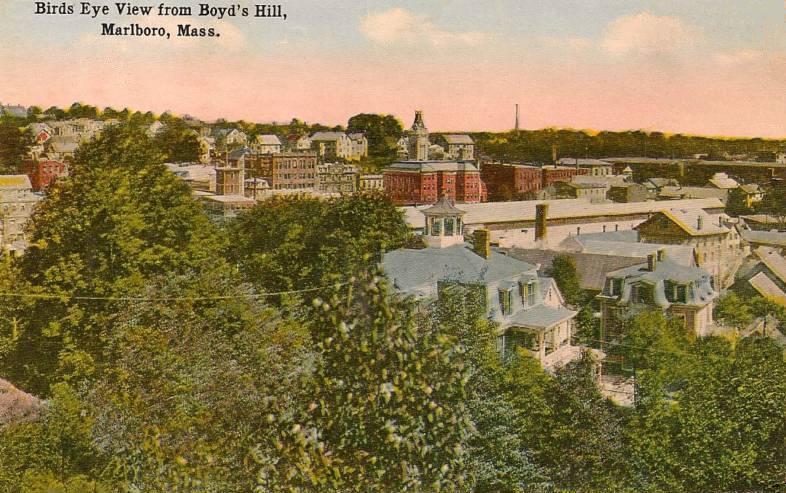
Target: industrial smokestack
{"points": [[541, 221], [517, 117], [554, 154]]}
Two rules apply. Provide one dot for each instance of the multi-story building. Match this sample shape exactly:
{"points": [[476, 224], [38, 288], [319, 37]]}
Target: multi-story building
{"points": [[359, 146], [283, 171], [528, 309], [719, 248], [266, 144], [628, 192], [229, 138], [43, 173], [337, 178], [424, 182], [460, 147], [593, 167], [592, 192], [681, 291], [370, 183], [339, 145], [17, 202], [552, 174], [509, 181]]}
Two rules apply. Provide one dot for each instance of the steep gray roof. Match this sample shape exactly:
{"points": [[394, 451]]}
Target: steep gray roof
{"points": [[700, 293], [443, 207], [458, 139], [592, 268], [413, 270]]}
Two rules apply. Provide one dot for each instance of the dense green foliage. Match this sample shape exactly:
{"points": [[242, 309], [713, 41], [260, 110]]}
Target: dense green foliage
{"points": [[170, 363], [15, 142], [382, 132], [538, 145], [300, 242]]}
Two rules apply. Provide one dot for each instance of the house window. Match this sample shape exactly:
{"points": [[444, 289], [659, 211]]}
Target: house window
{"points": [[614, 287], [641, 293], [506, 301], [528, 289]]}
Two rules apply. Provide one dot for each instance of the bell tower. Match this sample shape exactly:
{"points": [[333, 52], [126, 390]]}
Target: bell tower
{"points": [[418, 139]]}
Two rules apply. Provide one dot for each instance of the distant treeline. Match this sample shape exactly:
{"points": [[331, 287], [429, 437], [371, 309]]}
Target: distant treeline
{"points": [[539, 145]]}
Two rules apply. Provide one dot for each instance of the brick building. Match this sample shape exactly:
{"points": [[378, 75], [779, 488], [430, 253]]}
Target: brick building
{"points": [[508, 181], [284, 171], [424, 182], [43, 173], [553, 174]]}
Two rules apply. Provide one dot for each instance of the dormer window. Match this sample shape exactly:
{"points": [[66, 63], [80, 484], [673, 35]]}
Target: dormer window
{"points": [[641, 293], [506, 301], [528, 290], [614, 286]]}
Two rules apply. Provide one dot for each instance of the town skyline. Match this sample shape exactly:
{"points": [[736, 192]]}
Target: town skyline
{"points": [[707, 68]]}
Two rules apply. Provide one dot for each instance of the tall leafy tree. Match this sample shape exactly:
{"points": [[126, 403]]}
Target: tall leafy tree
{"points": [[387, 410], [563, 270], [177, 142], [15, 143], [382, 132], [121, 218]]}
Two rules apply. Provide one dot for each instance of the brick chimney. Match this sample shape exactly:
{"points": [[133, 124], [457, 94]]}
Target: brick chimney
{"points": [[541, 222], [699, 223], [661, 254], [652, 262], [482, 242]]}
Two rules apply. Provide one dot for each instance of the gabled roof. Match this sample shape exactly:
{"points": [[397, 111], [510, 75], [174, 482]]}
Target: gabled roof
{"points": [[679, 192], [328, 136], [775, 238], [723, 181], [773, 261], [765, 287], [357, 136], [14, 182], [458, 139], [268, 140], [688, 220]]}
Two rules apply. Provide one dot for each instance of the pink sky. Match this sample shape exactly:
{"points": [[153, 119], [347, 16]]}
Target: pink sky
{"points": [[462, 82]]}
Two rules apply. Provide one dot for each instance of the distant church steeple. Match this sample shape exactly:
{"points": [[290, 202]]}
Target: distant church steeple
{"points": [[418, 139]]}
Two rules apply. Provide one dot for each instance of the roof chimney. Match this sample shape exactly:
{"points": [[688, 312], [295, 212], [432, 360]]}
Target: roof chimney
{"points": [[482, 243], [541, 221], [652, 262], [699, 223], [661, 254]]}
